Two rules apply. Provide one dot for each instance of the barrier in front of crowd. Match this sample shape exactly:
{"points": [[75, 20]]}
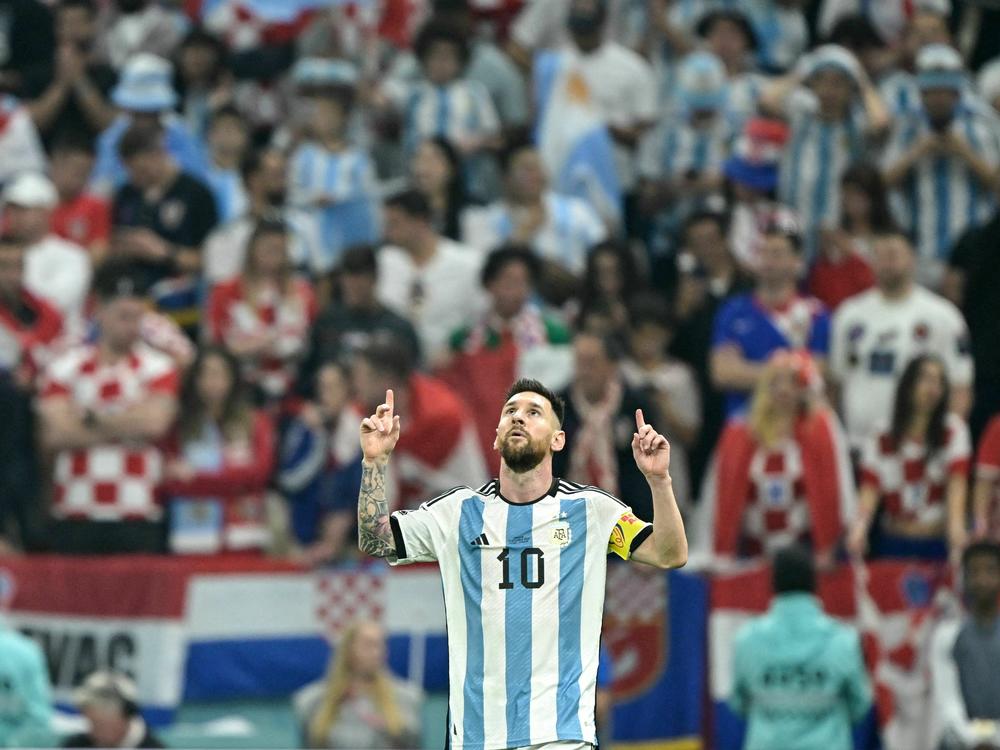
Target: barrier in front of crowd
{"points": [[203, 629]]}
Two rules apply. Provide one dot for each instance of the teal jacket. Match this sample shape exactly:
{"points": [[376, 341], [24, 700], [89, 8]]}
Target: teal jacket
{"points": [[799, 678], [25, 701]]}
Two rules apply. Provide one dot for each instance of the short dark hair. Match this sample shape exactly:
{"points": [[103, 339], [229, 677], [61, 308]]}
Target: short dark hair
{"points": [[856, 33], [411, 202], [438, 30], [650, 308], [530, 385], [73, 141], [265, 227], [896, 232], [705, 214], [359, 259], [140, 138], [982, 548], [253, 159], [389, 353], [504, 256], [118, 277], [793, 570], [88, 5], [611, 342], [794, 236], [227, 110]]}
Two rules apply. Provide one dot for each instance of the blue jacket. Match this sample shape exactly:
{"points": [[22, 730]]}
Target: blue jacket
{"points": [[799, 678], [25, 702]]}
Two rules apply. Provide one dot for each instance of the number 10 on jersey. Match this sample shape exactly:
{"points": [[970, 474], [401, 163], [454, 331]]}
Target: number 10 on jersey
{"points": [[532, 559]]}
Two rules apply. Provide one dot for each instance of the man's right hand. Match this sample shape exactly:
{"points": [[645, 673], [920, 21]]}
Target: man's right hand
{"points": [[380, 431]]}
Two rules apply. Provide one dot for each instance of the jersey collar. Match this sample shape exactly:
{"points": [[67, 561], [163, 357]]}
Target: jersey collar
{"points": [[550, 493]]}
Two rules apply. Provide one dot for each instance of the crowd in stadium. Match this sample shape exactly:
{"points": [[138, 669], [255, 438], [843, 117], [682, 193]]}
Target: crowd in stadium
{"points": [[226, 230]]}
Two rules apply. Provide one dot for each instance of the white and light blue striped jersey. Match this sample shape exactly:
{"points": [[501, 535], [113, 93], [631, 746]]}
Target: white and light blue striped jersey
{"points": [[227, 187], [456, 111], [570, 230], [347, 178], [524, 593], [941, 197], [816, 156], [674, 149]]}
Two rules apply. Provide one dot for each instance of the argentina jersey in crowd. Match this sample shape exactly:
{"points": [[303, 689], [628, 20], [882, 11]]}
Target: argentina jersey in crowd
{"points": [[524, 594]]}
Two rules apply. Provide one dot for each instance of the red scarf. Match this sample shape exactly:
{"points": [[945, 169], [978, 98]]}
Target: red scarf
{"points": [[737, 446]]}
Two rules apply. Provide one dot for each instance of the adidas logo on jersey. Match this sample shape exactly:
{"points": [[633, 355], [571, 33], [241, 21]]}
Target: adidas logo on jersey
{"points": [[480, 541]]}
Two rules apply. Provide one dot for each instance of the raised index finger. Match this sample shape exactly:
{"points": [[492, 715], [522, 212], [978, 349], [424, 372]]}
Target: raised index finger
{"points": [[389, 401], [640, 421]]}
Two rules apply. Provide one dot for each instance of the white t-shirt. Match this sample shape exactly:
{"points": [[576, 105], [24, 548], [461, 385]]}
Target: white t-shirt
{"points": [[437, 298], [874, 339], [58, 271]]}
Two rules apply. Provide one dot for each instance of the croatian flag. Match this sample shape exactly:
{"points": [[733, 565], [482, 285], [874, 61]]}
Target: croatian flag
{"points": [[573, 138]]}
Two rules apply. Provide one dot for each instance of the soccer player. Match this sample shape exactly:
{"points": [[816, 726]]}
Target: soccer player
{"points": [[523, 562]]}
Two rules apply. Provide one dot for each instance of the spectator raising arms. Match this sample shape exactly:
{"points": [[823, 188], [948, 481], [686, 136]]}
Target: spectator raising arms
{"points": [[219, 462], [782, 475], [915, 470], [263, 316]]}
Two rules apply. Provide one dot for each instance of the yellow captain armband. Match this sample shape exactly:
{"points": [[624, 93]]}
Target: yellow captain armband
{"points": [[627, 535]]}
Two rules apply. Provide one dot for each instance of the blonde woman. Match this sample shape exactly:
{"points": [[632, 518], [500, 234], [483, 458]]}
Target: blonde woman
{"points": [[782, 474], [360, 704]]}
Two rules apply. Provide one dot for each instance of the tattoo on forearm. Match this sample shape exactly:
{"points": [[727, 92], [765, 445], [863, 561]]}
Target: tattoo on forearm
{"points": [[374, 532]]}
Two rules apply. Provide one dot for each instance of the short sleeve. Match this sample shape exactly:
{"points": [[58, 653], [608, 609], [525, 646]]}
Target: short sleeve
{"points": [[988, 457], [722, 330], [628, 533], [837, 360], [419, 534], [819, 336], [958, 350]]}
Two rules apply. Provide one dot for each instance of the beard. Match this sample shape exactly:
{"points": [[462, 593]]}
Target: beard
{"points": [[522, 457]]}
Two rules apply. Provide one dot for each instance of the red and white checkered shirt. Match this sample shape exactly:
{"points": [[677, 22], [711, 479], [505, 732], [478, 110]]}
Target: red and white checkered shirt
{"points": [[777, 511], [911, 485], [115, 481], [988, 468]]}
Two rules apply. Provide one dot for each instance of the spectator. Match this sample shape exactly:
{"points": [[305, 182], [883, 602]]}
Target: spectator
{"points": [[915, 470], [320, 469], [28, 46], [600, 421], [559, 229], [110, 703], [680, 162], [139, 27], [707, 278], [161, 217], [668, 381], [840, 272], [513, 337], [55, 269], [20, 146], [611, 279], [430, 280], [965, 657], [202, 81], [988, 84], [802, 660], [360, 704], [218, 463], [436, 171], [437, 447], [349, 321], [25, 695], [75, 100], [444, 102], [834, 112], [986, 491], [144, 95], [751, 326], [263, 316], [81, 216], [264, 175], [103, 410], [878, 332], [618, 82], [943, 161], [330, 178], [228, 141], [972, 277], [929, 24], [781, 475], [30, 329]]}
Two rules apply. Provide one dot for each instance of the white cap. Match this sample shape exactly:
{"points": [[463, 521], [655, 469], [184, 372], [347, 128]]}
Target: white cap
{"points": [[31, 190], [146, 84], [940, 66], [107, 687]]}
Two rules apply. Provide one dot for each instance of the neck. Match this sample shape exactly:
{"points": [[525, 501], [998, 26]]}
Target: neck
{"points": [[332, 142], [897, 291], [526, 200], [423, 247], [214, 410], [859, 226], [720, 267], [588, 44], [110, 353], [166, 177], [226, 160], [775, 295], [918, 425], [527, 486], [985, 612]]}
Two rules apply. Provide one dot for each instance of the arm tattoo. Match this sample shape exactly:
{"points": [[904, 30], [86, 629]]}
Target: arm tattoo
{"points": [[374, 532]]}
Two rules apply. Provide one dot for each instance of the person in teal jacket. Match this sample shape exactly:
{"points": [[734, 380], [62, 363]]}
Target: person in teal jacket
{"points": [[25, 702], [799, 677]]}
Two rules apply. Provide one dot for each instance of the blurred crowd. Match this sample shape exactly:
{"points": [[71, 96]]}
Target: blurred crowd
{"points": [[228, 226]]}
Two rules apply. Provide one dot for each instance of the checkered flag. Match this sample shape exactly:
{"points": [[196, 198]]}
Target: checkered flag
{"points": [[345, 597]]}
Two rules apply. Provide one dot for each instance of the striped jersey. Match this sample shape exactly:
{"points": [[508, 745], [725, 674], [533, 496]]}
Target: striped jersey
{"points": [[524, 594]]}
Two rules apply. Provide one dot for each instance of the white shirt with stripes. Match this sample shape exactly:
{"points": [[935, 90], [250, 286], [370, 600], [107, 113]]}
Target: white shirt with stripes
{"points": [[524, 593], [456, 111]]}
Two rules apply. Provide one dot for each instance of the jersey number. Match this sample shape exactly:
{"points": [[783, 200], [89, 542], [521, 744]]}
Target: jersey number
{"points": [[526, 554]]}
